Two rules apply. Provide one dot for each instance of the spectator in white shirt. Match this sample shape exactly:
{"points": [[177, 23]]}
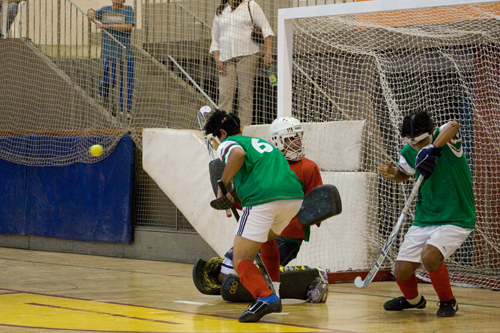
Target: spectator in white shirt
{"points": [[236, 55]]}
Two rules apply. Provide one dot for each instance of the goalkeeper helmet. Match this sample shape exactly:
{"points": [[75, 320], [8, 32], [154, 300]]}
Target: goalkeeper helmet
{"points": [[287, 135]]}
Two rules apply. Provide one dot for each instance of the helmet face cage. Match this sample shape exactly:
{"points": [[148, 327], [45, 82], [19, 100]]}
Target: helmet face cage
{"points": [[283, 132]]}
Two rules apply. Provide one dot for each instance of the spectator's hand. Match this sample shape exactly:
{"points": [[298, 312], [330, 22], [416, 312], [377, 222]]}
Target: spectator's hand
{"points": [[221, 68], [91, 15], [426, 160], [267, 60]]}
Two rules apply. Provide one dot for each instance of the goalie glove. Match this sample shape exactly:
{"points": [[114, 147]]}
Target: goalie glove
{"points": [[221, 203], [426, 160]]}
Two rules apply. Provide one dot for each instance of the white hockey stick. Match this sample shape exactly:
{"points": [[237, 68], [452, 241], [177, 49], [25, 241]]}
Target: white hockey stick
{"points": [[205, 110], [358, 282]]}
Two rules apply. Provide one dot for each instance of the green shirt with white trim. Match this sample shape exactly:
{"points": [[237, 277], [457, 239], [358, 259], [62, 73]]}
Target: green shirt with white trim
{"points": [[265, 175], [447, 196]]}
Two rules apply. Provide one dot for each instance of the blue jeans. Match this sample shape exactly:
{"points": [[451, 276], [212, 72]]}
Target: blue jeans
{"points": [[109, 80], [11, 15]]}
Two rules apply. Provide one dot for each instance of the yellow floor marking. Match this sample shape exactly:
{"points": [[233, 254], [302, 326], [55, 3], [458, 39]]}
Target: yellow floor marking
{"points": [[49, 312]]}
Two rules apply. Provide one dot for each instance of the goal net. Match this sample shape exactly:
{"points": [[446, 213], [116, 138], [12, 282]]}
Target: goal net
{"points": [[379, 61]]}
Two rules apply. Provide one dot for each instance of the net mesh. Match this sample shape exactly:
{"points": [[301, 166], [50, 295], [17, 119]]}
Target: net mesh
{"points": [[382, 66], [373, 67]]}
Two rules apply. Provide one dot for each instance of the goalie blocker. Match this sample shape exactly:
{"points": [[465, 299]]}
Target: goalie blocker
{"points": [[320, 203]]}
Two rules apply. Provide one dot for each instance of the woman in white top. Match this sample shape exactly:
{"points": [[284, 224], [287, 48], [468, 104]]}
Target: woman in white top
{"points": [[236, 55]]}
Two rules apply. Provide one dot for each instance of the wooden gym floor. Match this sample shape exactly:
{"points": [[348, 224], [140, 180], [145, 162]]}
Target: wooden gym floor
{"points": [[48, 292]]}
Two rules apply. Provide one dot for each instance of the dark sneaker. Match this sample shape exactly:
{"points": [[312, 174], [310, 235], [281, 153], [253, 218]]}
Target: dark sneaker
{"points": [[400, 303], [261, 307], [447, 309]]}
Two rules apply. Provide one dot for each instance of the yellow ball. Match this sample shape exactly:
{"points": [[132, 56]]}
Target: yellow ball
{"points": [[96, 150]]}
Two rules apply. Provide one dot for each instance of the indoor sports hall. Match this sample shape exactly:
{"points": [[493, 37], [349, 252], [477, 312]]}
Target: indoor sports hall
{"points": [[106, 190]]}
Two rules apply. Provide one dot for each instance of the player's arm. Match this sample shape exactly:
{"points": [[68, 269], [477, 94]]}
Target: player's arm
{"points": [[447, 133], [233, 165], [312, 177], [426, 159], [393, 173]]}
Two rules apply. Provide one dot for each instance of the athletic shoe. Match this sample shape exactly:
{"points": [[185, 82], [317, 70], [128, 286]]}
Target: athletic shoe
{"points": [[400, 303], [261, 307], [318, 291], [447, 309]]}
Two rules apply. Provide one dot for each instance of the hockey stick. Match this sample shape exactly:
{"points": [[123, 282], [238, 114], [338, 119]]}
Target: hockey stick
{"points": [[202, 122], [358, 282], [211, 150], [260, 263]]}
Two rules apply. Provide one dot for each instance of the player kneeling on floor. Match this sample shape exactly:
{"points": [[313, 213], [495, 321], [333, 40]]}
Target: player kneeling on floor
{"points": [[309, 284]]}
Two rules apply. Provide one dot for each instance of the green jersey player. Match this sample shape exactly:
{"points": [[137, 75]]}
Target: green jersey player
{"points": [[444, 212], [270, 194]]}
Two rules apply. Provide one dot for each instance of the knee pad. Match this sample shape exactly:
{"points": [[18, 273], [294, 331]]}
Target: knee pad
{"points": [[233, 291]]}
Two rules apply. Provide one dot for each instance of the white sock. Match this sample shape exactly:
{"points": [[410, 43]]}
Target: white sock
{"points": [[415, 300], [276, 286]]}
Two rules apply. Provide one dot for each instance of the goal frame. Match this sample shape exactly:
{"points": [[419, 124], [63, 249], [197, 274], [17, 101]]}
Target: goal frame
{"points": [[285, 32]]}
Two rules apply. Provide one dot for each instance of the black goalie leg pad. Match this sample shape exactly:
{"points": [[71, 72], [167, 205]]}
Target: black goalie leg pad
{"points": [[215, 169], [319, 204], [205, 276], [295, 284], [233, 291]]}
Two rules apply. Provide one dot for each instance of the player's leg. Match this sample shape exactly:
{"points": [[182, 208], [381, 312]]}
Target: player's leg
{"points": [[408, 261], [252, 231], [288, 249], [245, 250], [443, 242], [270, 255]]}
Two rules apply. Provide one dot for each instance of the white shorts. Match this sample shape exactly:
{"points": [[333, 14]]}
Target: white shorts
{"points": [[447, 238], [256, 221]]}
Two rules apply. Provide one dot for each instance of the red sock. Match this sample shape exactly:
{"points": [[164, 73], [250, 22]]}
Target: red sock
{"points": [[441, 283], [270, 255], [252, 279], [409, 287]]}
